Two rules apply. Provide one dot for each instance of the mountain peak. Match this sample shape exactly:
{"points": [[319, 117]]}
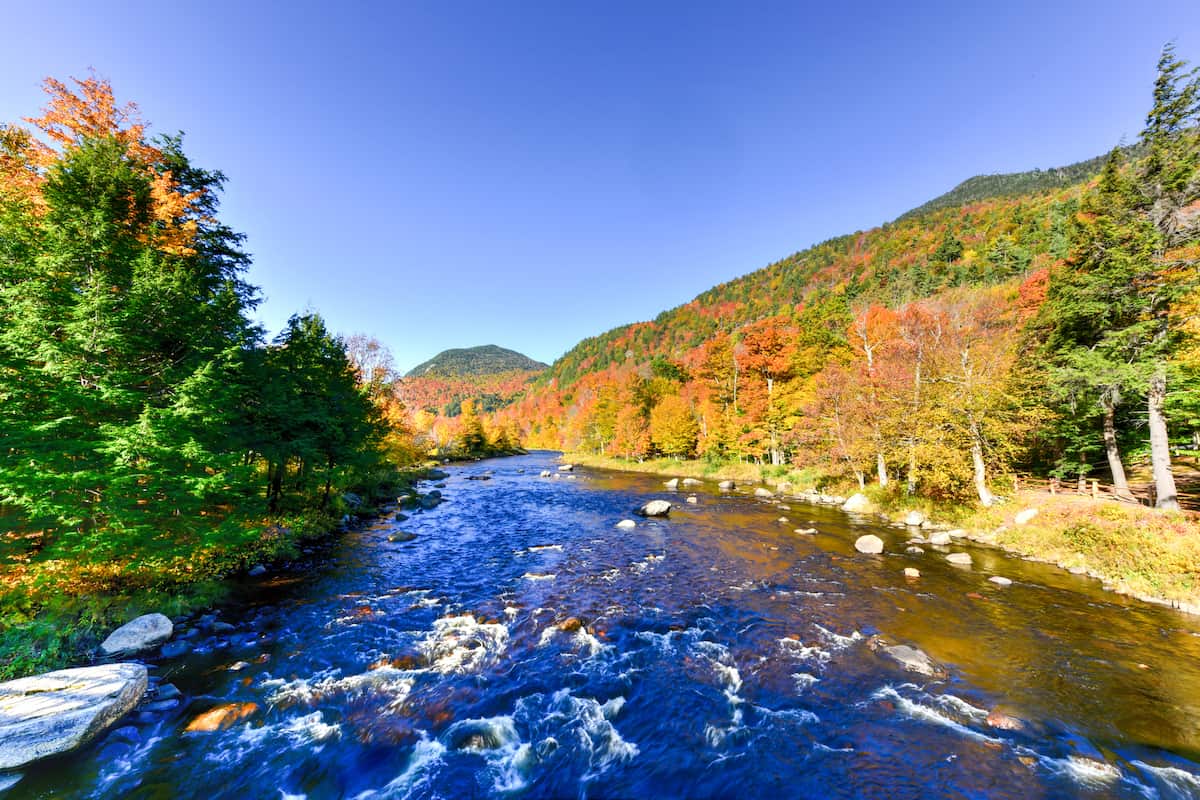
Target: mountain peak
{"points": [[488, 359]]}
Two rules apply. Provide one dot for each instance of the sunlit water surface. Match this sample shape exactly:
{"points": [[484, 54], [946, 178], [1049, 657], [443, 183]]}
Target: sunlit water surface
{"points": [[522, 646]]}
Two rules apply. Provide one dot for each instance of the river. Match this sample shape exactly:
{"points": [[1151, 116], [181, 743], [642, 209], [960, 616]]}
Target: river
{"points": [[521, 646]]}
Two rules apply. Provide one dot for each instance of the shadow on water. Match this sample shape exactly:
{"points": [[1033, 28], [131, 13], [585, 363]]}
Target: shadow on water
{"points": [[519, 645]]}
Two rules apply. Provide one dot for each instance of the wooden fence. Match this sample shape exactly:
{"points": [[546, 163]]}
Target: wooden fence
{"points": [[1187, 489]]}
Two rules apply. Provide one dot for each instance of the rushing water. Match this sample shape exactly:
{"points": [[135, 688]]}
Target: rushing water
{"points": [[522, 646]]}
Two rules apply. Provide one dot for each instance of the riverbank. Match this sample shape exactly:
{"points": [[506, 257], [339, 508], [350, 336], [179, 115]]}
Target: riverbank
{"points": [[57, 606], [1131, 549]]}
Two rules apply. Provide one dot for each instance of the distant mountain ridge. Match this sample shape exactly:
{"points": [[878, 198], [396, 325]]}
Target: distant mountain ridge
{"points": [[488, 359]]}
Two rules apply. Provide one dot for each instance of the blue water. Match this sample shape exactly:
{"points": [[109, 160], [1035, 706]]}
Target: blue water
{"points": [[521, 646]]}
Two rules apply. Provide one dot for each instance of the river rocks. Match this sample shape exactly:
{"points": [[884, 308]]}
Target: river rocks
{"points": [[914, 519], [1001, 719], [858, 503], [566, 467], [691, 482], [1000, 580], [805, 531], [1023, 517], [175, 649], [484, 477], [221, 717], [961, 559], [56, 712], [870, 544], [401, 536], [941, 538], [957, 533], [913, 550], [257, 571], [626, 524], [431, 500], [693, 499], [909, 659], [437, 475], [726, 486], [544, 473], [148, 630], [912, 572], [761, 492], [655, 508], [672, 484]]}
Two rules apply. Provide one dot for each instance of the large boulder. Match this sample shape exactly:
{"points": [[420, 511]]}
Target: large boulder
{"points": [[914, 519], [57, 712], [726, 486], [655, 508], [566, 467], [858, 503], [909, 659], [761, 492], [672, 484], [940, 538], [691, 482], [143, 633], [870, 543], [1023, 517]]}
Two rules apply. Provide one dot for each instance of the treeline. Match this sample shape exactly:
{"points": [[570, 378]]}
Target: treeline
{"points": [[938, 355], [140, 407]]}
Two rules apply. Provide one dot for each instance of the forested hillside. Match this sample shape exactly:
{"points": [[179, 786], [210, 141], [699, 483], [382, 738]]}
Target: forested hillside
{"points": [[487, 359], [937, 355]]}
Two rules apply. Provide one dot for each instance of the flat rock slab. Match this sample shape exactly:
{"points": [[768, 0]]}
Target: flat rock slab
{"points": [[909, 659], [148, 630], [56, 712]]}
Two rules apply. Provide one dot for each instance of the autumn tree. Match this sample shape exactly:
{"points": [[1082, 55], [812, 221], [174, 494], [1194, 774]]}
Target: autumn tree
{"points": [[673, 427]]}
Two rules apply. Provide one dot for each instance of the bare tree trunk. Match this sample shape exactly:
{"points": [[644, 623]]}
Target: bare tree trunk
{"points": [[1081, 486], [985, 495], [881, 468], [1120, 484], [1160, 446]]}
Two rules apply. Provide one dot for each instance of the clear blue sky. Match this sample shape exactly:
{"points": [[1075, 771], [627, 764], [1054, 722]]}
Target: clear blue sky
{"points": [[448, 174]]}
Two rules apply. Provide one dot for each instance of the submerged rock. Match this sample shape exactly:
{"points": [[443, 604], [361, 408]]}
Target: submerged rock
{"points": [[761, 492], [858, 503], [56, 712], [910, 659], [870, 544], [655, 508], [962, 559], [913, 550], [220, 718], [142, 633], [1000, 580], [401, 536], [691, 482], [626, 524]]}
